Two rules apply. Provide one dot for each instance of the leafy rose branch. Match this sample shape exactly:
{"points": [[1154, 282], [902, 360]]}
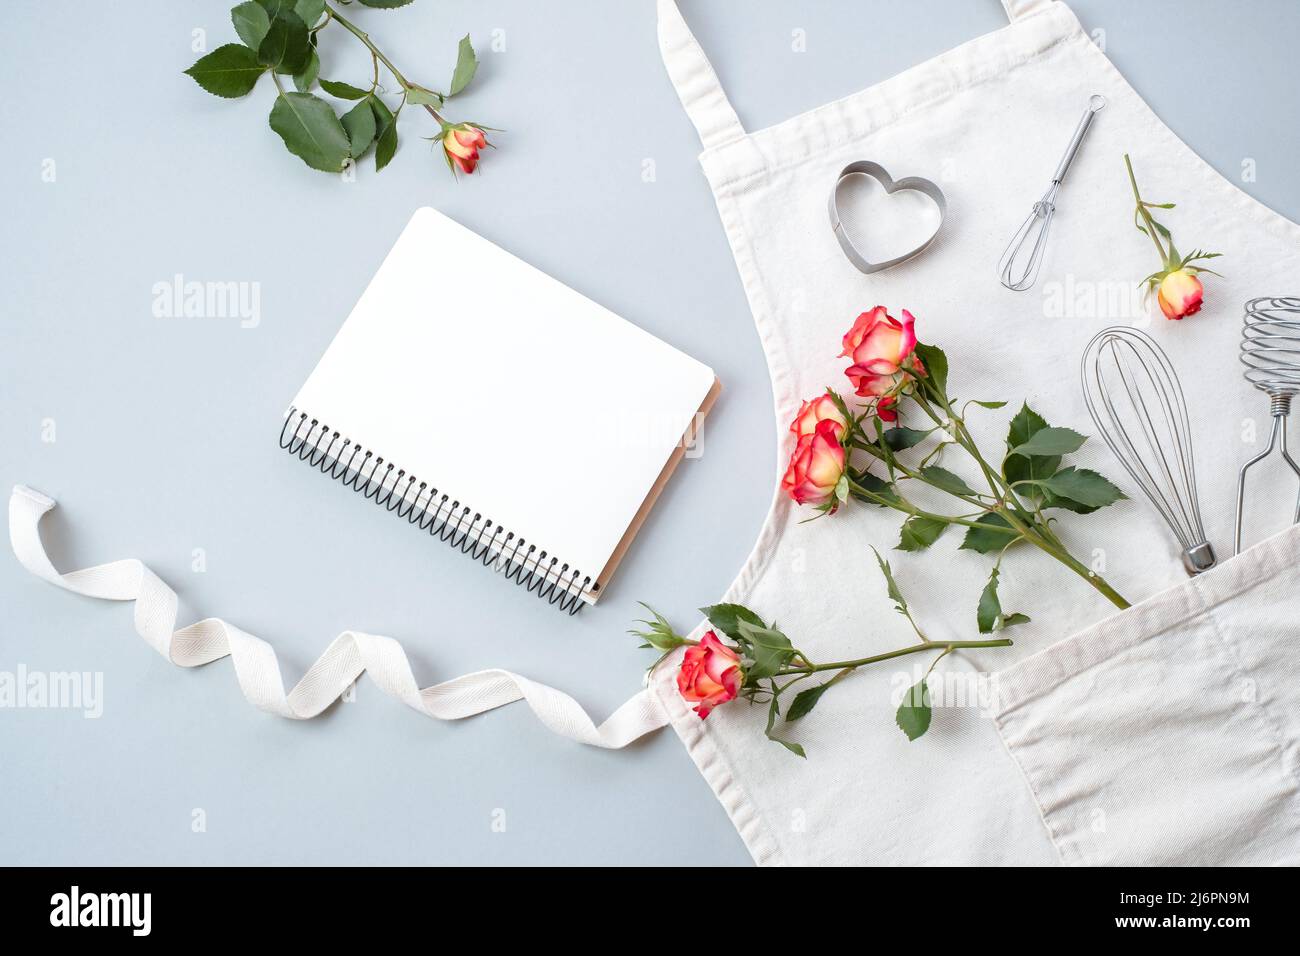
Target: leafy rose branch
{"points": [[764, 665], [1028, 481], [280, 37]]}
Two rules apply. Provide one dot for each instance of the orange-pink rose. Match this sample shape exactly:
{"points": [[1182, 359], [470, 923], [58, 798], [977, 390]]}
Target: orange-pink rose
{"points": [[816, 465], [462, 143], [820, 409], [1180, 294], [881, 348], [710, 674]]}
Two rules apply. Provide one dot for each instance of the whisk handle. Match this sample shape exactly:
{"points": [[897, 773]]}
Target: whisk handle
{"points": [[1095, 103]]}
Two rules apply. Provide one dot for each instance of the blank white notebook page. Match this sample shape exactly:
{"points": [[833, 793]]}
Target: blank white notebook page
{"points": [[507, 391]]}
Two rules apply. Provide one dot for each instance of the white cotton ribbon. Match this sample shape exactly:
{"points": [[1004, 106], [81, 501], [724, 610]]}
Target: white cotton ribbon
{"points": [[258, 670]]}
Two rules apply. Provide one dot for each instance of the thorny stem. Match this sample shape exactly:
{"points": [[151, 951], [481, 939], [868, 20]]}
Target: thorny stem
{"points": [[900, 505], [1142, 211], [378, 54], [945, 646]]}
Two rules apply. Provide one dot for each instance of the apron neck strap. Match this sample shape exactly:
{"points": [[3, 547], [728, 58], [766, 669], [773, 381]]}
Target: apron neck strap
{"points": [[1019, 9], [693, 77]]}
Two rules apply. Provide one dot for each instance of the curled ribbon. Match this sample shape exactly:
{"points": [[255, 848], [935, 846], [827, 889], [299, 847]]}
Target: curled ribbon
{"points": [[350, 654]]}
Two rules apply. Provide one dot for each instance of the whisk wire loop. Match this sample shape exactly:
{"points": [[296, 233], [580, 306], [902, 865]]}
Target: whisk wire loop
{"points": [[1134, 397]]}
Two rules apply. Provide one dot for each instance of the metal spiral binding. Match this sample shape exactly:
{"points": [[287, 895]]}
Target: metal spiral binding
{"points": [[447, 519], [1270, 350]]}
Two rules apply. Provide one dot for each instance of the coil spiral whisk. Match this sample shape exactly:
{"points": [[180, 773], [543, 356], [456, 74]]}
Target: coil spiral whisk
{"points": [[1135, 400], [450, 521], [1270, 350]]}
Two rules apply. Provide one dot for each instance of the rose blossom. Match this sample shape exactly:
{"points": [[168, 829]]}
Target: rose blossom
{"points": [[1180, 294], [710, 674], [462, 143], [816, 465], [880, 347], [814, 410]]}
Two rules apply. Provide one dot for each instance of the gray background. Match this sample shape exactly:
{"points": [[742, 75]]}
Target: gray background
{"points": [[166, 428]]}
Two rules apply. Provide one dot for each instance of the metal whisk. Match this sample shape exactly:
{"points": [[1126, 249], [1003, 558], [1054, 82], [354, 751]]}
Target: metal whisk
{"points": [[1270, 350], [1018, 267], [1136, 402]]}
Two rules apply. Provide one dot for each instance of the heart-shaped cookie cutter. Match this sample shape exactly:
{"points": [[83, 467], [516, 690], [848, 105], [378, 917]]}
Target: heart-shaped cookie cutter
{"points": [[877, 172]]}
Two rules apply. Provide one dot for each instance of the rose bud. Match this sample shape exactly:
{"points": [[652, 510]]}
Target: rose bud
{"points": [[820, 409], [816, 465], [710, 674], [1180, 294], [880, 347], [462, 143]]}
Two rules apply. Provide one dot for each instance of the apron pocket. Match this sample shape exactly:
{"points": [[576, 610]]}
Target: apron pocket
{"points": [[1167, 734]]}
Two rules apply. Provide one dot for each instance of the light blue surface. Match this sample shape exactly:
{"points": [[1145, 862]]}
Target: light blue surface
{"points": [[165, 428]]}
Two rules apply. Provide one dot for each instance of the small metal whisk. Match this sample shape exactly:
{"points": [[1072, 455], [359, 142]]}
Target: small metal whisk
{"points": [[1135, 400], [1018, 267], [1270, 350]]}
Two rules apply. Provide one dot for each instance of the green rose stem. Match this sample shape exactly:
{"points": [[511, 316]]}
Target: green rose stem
{"points": [[1146, 216], [847, 667], [379, 56], [924, 645]]}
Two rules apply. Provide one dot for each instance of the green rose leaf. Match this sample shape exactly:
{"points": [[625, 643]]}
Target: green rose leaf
{"points": [[988, 614], [286, 46], [918, 533], [466, 64], [251, 23], [891, 586], [1056, 501], [344, 91], [900, 438], [989, 404], [945, 480], [727, 617], [936, 366], [1050, 441], [1017, 468], [805, 701], [307, 76], [419, 96], [913, 717], [1024, 426], [1084, 486], [773, 711], [230, 70], [310, 11], [990, 608], [384, 4], [383, 115], [769, 648], [991, 533], [359, 123], [273, 7], [386, 144], [877, 486], [311, 131]]}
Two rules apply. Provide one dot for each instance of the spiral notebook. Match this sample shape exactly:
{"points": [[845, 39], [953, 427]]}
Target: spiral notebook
{"points": [[494, 408]]}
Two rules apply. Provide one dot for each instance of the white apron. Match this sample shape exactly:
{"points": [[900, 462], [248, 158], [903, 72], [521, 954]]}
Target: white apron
{"points": [[988, 121], [1166, 734]]}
